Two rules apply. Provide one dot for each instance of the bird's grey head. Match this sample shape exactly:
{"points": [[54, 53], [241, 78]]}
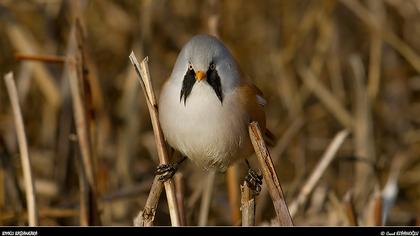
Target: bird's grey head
{"points": [[204, 59]]}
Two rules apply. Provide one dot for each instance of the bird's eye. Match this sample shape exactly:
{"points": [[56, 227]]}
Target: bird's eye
{"points": [[212, 66], [190, 67]]}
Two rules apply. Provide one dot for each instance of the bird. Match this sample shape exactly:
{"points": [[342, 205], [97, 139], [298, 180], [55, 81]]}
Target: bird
{"points": [[205, 107]]}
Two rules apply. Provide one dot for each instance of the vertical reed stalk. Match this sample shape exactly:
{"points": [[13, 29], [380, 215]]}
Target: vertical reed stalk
{"points": [[23, 148]]}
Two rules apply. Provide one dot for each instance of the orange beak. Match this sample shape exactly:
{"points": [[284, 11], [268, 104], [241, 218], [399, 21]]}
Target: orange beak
{"points": [[199, 75]]}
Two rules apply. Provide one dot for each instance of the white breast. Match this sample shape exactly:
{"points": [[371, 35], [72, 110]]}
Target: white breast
{"points": [[208, 132]]}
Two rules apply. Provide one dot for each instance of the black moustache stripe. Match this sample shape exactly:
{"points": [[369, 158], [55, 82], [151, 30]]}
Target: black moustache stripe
{"points": [[187, 85], [214, 81]]}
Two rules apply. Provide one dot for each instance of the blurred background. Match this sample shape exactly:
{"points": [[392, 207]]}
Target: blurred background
{"points": [[323, 66]]}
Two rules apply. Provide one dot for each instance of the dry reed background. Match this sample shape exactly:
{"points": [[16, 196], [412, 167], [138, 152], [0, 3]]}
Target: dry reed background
{"points": [[324, 66]]}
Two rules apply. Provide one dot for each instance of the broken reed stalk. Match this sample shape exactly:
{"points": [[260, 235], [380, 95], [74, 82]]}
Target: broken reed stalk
{"points": [[270, 175], [147, 215], [143, 76], [247, 205], [319, 170], [23, 149]]}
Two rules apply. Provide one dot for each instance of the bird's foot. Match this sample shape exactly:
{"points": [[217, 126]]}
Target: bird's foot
{"points": [[254, 181], [166, 171]]}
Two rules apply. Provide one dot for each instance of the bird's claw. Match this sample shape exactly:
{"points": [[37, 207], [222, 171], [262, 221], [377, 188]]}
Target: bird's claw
{"points": [[254, 181], [166, 171]]}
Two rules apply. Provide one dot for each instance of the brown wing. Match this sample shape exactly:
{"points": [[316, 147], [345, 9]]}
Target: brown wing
{"points": [[254, 102], [254, 106]]}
